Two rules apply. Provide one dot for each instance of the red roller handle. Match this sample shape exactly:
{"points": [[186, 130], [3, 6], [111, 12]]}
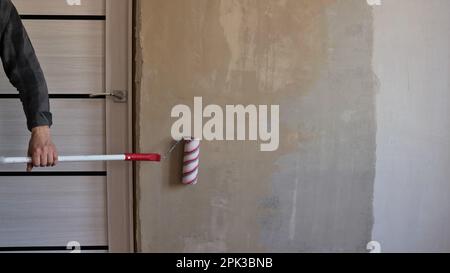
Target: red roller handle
{"points": [[143, 157]]}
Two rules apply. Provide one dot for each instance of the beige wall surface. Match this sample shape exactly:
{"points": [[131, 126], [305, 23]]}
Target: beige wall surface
{"points": [[313, 58]]}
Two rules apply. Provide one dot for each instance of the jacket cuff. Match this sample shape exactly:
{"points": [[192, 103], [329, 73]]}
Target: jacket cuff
{"points": [[40, 119]]}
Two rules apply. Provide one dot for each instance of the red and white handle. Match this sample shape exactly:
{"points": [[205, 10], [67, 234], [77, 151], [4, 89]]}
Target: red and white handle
{"points": [[87, 158]]}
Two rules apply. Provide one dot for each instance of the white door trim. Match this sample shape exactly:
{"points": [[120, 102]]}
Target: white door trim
{"points": [[119, 21]]}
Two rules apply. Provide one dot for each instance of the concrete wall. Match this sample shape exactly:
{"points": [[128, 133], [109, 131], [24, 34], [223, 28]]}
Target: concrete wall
{"points": [[412, 62], [313, 58]]}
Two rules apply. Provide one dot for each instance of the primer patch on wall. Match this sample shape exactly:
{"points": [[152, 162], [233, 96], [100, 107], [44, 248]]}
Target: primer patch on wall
{"points": [[324, 188], [412, 61]]}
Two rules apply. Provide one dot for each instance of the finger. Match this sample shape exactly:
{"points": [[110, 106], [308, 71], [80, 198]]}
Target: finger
{"points": [[50, 160], [44, 159], [36, 160], [55, 158], [29, 165]]}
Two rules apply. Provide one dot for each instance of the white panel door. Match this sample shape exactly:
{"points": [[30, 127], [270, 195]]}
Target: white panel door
{"points": [[44, 210], [61, 7], [71, 53], [51, 211], [79, 128]]}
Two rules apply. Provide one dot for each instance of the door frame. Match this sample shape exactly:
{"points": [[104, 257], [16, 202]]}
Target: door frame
{"points": [[119, 124]]}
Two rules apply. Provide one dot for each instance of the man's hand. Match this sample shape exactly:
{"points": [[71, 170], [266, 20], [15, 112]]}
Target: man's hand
{"points": [[41, 149]]}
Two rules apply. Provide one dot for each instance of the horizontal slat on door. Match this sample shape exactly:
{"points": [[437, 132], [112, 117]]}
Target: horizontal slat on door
{"points": [[60, 7], [79, 128], [40, 211], [54, 252], [71, 54]]}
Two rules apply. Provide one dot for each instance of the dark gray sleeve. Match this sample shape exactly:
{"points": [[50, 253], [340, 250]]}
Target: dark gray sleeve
{"points": [[22, 67]]}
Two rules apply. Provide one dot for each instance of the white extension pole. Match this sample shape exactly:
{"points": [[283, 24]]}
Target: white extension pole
{"points": [[85, 158]]}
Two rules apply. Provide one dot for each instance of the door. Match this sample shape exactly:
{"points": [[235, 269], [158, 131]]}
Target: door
{"points": [[84, 48]]}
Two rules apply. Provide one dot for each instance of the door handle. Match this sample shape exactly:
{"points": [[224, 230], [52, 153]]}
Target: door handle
{"points": [[119, 96]]}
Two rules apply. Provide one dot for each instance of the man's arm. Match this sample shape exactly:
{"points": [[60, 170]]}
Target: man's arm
{"points": [[24, 72]]}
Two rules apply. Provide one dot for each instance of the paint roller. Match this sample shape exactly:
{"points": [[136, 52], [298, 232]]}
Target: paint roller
{"points": [[191, 159]]}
